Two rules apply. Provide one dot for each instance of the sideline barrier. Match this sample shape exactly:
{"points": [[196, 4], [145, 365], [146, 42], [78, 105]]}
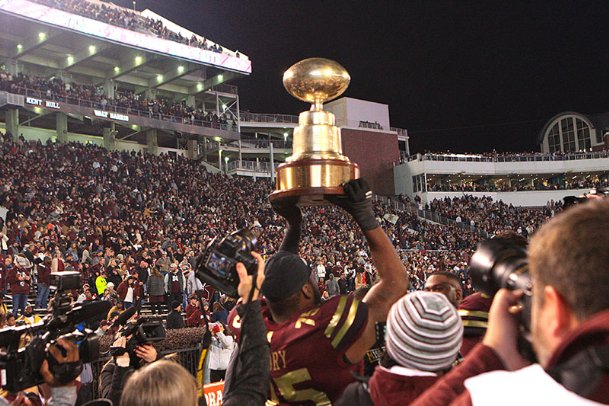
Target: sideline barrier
{"points": [[213, 393]]}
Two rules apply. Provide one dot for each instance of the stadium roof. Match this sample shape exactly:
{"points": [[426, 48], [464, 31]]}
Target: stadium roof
{"points": [[59, 40]]}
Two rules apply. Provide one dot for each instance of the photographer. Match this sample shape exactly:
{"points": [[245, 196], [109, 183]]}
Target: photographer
{"points": [[116, 371], [59, 388], [168, 383], [568, 260]]}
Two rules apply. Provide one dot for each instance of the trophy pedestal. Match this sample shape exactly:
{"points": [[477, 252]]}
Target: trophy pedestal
{"points": [[311, 179]]}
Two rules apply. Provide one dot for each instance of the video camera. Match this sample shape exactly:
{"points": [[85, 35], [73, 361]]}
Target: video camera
{"points": [[24, 348], [500, 264], [218, 265], [569, 201], [144, 330]]}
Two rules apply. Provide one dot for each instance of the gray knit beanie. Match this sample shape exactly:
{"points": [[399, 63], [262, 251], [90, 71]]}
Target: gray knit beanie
{"points": [[424, 332]]}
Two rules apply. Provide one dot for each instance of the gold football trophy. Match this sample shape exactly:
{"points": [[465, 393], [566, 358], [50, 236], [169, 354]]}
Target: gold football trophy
{"points": [[317, 166]]}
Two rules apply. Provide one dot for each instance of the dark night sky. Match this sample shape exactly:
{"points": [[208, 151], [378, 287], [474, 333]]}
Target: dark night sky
{"points": [[461, 75]]}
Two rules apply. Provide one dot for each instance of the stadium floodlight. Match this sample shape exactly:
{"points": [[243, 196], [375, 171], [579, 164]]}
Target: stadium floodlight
{"points": [[199, 86], [180, 69], [138, 59], [220, 77], [117, 69], [42, 36], [70, 59], [159, 78], [226, 159], [19, 47], [285, 136], [92, 49]]}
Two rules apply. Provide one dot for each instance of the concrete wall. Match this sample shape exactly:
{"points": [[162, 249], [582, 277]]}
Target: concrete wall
{"points": [[43, 134], [349, 112]]}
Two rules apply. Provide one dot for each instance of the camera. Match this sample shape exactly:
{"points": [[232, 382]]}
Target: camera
{"points": [[569, 201], [501, 264], [218, 265], [24, 348], [145, 330]]}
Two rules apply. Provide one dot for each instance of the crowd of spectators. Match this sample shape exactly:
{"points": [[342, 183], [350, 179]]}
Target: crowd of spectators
{"points": [[517, 186], [119, 213], [131, 20], [492, 216], [125, 101], [133, 225]]}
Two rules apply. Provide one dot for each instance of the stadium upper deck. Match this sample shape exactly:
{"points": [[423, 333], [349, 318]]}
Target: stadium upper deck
{"points": [[106, 70]]}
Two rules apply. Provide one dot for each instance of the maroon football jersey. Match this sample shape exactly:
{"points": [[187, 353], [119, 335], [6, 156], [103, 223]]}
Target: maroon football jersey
{"points": [[308, 366]]}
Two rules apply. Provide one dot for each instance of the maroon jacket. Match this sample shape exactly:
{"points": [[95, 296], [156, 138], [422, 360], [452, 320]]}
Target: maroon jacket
{"points": [[17, 286], [386, 388], [44, 274], [124, 286], [451, 390], [194, 317]]}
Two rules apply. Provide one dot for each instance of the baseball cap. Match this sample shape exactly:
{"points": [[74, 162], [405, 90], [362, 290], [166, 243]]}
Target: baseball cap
{"points": [[285, 273]]}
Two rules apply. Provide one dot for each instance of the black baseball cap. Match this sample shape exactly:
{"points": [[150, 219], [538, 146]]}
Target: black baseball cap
{"points": [[285, 273]]}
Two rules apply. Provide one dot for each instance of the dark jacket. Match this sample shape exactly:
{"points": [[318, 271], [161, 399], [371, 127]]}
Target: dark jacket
{"points": [[175, 320], [248, 376], [451, 389], [156, 286]]}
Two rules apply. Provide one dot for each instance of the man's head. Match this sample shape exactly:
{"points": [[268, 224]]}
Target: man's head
{"points": [[424, 332], [446, 283], [569, 264], [29, 310], [289, 285]]}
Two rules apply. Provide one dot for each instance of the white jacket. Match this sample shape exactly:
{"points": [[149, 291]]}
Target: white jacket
{"points": [[527, 386], [220, 351]]}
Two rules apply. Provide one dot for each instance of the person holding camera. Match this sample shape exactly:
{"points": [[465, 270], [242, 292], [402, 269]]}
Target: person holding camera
{"points": [[315, 345], [118, 369], [19, 280], [568, 264], [220, 350]]}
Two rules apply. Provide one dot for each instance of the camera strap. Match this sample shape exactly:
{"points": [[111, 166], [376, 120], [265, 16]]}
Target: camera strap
{"points": [[582, 373]]}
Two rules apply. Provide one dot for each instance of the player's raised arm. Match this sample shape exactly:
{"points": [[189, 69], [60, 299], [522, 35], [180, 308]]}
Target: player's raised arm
{"points": [[393, 282]]}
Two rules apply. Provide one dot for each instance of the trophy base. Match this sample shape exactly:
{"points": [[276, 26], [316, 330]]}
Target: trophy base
{"points": [[311, 179]]}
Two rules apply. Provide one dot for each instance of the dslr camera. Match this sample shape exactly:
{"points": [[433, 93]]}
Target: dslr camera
{"points": [[144, 330], [499, 264], [24, 348], [218, 265]]}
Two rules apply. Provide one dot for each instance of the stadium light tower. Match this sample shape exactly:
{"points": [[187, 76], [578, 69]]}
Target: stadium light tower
{"points": [[134, 5], [226, 163]]}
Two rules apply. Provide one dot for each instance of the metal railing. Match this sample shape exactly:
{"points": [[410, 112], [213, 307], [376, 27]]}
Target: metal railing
{"points": [[533, 157], [27, 92], [253, 166], [268, 118], [224, 88]]}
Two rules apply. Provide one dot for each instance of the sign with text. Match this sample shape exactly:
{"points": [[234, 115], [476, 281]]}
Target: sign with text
{"points": [[43, 103], [213, 393], [110, 114]]}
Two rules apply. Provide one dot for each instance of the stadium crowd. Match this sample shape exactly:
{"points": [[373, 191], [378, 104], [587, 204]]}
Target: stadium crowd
{"points": [[492, 216], [133, 225], [125, 18], [516, 186], [125, 101]]}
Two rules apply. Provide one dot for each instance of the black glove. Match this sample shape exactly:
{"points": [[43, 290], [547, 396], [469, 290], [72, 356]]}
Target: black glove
{"points": [[357, 201], [288, 209]]}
